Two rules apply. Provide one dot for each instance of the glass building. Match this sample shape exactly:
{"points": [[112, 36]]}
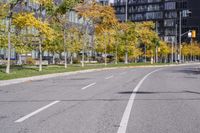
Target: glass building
{"points": [[165, 13]]}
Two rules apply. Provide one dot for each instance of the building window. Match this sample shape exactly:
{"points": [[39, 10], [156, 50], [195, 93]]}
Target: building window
{"points": [[169, 23], [171, 15], [154, 15], [170, 5]]}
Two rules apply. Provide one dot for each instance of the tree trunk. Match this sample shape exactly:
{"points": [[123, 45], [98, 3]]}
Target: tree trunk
{"points": [[54, 58], [145, 54], [83, 49], [116, 52], [40, 55], [9, 47], [20, 59], [40, 45], [105, 51], [65, 47], [152, 60], [71, 60], [156, 60]]}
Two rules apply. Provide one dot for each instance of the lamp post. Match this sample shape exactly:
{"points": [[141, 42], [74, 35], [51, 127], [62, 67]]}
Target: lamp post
{"points": [[190, 36], [180, 29], [172, 54], [180, 32], [126, 15], [105, 50], [126, 19]]}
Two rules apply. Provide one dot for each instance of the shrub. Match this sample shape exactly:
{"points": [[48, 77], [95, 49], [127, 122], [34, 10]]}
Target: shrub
{"points": [[76, 60], [30, 61]]}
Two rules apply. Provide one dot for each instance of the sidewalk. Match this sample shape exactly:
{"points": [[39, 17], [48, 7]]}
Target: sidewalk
{"points": [[41, 77]]}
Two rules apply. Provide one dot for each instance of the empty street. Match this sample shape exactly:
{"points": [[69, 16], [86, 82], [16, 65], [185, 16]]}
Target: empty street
{"points": [[123, 100]]}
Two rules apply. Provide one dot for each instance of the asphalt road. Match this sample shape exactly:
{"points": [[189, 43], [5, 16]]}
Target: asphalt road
{"points": [[131, 100]]}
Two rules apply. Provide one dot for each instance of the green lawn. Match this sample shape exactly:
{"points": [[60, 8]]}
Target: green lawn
{"points": [[28, 71]]}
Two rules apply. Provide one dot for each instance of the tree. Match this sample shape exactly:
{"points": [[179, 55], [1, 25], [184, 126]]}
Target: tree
{"points": [[148, 37], [129, 39], [163, 50], [60, 16], [7, 14], [74, 45], [190, 51], [24, 20], [102, 18]]}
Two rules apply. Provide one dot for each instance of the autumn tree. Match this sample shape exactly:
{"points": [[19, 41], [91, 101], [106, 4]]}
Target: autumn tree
{"points": [[129, 40], [101, 17], [163, 50], [7, 11], [60, 16], [24, 20], [190, 51], [148, 37]]}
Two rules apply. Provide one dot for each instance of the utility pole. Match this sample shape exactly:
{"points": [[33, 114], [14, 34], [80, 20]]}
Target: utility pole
{"points": [[105, 50], [145, 53], [156, 44], [176, 42], [180, 33], [191, 54], [126, 19], [172, 54], [126, 15]]}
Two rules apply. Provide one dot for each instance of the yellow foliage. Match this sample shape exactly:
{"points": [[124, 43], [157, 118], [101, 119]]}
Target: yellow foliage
{"points": [[164, 49], [146, 33], [103, 17], [23, 20], [189, 49], [43, 2]]}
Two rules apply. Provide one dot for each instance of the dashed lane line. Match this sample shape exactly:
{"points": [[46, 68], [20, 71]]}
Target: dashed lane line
{"points": [[109, 77], [36, 112], [88, 86]]}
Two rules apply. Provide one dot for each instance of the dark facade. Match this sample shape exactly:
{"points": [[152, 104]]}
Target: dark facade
{"points": [[104, 2], [165, 13]]}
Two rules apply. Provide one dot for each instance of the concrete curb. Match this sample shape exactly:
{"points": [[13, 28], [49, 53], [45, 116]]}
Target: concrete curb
{"points": [[47, 76], [41, 77]]}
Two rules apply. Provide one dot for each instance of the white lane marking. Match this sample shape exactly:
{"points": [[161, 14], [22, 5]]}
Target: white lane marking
{"points": [[109, 77], [35, 112], [88, 86], [127, 112]]}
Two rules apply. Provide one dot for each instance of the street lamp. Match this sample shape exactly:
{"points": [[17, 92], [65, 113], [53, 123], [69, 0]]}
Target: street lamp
{"points": [[190, 34], [126, 19], [187, 12], [126, 15]]}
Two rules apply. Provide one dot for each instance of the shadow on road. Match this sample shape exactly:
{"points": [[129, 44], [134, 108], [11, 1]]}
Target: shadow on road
{"points": [[149, 92], [194, 71], [116, 99]]}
